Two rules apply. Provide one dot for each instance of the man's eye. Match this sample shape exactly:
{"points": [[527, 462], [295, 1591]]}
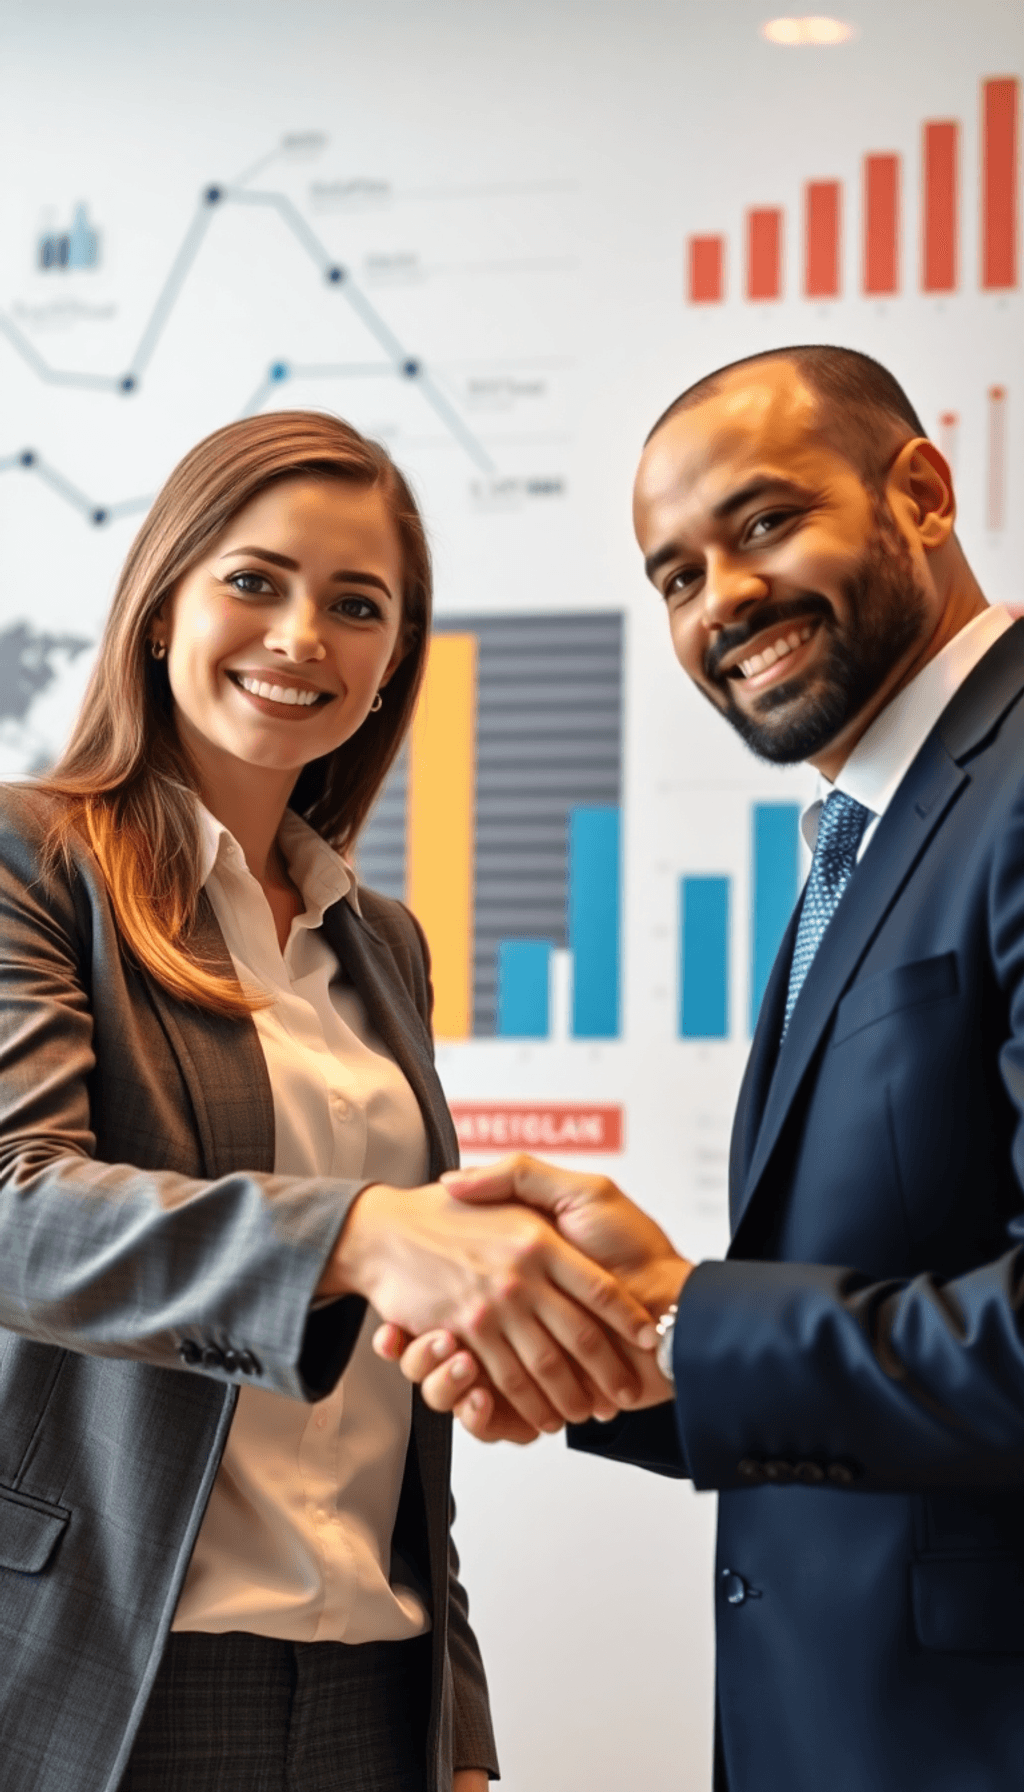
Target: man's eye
{"points": [[682, 582], [769, 520]]}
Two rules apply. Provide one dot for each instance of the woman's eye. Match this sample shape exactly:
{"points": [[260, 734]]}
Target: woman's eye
{"points": [[360, 609], [250, 584]]}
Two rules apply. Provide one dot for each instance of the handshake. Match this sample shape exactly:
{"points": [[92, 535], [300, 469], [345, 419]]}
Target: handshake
{"points": [[520, 1296]]}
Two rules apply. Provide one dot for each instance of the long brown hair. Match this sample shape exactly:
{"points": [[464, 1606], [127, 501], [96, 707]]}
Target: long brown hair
{"points": [[127, 784]]}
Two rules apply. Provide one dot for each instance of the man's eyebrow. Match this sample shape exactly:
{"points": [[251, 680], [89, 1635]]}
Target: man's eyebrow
{"points": [[762, 486], [347, 575]]}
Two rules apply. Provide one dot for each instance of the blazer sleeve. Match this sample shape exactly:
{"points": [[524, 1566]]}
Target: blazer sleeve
{"points": [[107, 1258], [816, 1373]]}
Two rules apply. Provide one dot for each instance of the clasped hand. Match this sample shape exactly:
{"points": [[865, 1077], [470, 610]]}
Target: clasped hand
{"points": [[511, 1381]]}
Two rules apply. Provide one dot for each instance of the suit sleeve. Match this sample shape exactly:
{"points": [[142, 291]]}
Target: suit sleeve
{"points": [[820, 1373], [110, 1259]]}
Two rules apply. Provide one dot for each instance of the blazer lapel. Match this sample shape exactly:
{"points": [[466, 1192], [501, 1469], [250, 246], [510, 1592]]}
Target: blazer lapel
{"points": [[222, 1064], [774, 1077], [397, 1021]]}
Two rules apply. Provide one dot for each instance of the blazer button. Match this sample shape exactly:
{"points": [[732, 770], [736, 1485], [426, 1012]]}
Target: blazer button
{"points": [[749, 1470], [231, 1362], [810, 1473], [249, 1364], [212, 1357], [779, 1473], [840, 1474], [189, 1351]]}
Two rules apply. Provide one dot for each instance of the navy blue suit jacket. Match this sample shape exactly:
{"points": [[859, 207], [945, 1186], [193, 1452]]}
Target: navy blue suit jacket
{"points": [[851, 1378]]}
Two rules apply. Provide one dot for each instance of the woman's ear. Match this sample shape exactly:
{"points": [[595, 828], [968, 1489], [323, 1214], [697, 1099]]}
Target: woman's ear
{"points": [[920, 483]]}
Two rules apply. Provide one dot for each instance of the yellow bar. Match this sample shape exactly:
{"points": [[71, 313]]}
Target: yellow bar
{"points": [[441, 817]]}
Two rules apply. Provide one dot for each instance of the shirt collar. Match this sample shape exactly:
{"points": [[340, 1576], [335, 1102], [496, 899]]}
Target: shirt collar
{"points": [[885, 752], [321, 876]]}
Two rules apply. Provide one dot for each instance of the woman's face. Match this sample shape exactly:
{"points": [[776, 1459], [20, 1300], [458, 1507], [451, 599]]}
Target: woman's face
{"points": [[280, 637]]}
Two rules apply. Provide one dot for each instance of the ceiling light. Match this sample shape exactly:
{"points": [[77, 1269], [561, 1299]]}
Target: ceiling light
{"points": [[813, 30]]}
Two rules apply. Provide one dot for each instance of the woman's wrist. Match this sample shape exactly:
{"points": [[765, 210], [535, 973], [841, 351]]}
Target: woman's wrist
{"points": [[349, 1267]]}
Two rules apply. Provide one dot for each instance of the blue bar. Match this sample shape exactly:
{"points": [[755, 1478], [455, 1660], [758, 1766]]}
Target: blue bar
{"points": [[704, 956], [524, 1003], [774, 890], [594, 905]]}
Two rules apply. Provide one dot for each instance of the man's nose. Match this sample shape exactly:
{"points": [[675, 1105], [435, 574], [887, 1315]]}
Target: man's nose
{"points": [[297, 631], [730, 588]]}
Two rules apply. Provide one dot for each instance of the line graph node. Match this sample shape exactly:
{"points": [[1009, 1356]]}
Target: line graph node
{"points": [[27, 458], [129, 383], [411, 369], [99, 516], [335, 275], [213, 196], [279, 370]]}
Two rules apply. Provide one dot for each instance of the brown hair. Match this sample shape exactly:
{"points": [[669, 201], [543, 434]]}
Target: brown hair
{"points": [[128, 785]]}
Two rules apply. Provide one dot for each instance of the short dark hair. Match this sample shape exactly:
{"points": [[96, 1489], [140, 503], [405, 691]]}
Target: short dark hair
{"points": [[873, 414]]}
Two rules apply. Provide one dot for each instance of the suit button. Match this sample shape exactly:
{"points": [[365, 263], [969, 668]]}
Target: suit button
{"points": [[734, 1587], [230, 1361], [749, 1470], [249, 1364], [810, 1473], [778, 1472], [189, 1352], [212, 1357], [840, 1474]]}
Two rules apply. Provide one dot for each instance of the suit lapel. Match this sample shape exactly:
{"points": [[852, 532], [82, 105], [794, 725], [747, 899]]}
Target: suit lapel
{"points": [[774, 1078], [396, 1020]]}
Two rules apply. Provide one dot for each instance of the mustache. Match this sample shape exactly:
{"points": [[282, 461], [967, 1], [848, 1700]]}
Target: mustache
{"points": [[767, 615]]}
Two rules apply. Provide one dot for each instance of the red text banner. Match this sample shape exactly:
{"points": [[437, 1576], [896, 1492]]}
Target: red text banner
{"points": [[537, 1126]]}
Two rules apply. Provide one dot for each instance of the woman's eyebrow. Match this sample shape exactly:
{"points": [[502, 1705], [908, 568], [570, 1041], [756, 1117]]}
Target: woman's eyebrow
{"points": [[346, 574]]}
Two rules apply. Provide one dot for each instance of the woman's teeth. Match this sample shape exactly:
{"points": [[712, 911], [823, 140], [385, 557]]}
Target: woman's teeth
{"points": [[777, 650], [278, 693]]}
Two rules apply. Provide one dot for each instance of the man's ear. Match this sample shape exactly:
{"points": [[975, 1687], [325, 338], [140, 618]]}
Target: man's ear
{"points": [[920, 488]]}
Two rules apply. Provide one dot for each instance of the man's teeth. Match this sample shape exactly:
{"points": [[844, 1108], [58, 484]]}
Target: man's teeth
{"points": [[777, 650], [278, 693]]}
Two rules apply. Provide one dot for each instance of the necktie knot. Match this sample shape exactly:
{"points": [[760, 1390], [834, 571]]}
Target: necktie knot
{"points": [[841, 826]]}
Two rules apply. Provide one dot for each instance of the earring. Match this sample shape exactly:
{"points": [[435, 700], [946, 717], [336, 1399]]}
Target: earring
{"points": [[158, 649], [378, 703]]}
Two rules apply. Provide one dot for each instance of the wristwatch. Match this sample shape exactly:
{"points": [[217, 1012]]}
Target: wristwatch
{"points": [[665, 1328]]}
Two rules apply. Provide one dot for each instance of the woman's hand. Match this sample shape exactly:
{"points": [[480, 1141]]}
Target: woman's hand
{"points": [[538, 1315]]}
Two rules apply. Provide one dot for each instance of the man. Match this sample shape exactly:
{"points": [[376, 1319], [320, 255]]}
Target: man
{"points": [[851, 1378]]}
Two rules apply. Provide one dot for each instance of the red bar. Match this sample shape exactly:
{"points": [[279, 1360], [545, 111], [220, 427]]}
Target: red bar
{"points": [[764, 254], [941, 198], [995, 505], [707, 265], [881, 223], [821, 240], [537, 1125], [1000, 131]]}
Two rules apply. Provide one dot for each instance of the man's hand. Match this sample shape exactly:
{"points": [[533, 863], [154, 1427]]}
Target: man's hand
{"points": [[539, 1316], [595, 1216], [470, 1779]]}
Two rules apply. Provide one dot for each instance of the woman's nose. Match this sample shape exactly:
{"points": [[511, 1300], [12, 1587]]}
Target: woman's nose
{"points": [[297, 631]]}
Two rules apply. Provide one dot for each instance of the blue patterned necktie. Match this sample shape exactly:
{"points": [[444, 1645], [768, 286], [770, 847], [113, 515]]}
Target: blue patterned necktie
{"points": [[841, 826]]}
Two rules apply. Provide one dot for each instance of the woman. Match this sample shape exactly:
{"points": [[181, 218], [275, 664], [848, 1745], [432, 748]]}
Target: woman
{"points": [[224, 1525]]}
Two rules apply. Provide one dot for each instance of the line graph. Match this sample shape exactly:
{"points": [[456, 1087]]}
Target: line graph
{"points": [[399, 363]]}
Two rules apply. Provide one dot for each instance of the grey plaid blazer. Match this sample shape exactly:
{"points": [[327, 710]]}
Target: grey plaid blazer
{"points": [[151, 1263]]}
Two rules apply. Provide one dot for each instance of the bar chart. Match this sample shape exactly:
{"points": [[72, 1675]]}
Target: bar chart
{"points": [[706, 908], [882, 206], [500, 825]]}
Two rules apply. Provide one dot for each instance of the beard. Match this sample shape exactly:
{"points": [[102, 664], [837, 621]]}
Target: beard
{"points": [[887, 607]]}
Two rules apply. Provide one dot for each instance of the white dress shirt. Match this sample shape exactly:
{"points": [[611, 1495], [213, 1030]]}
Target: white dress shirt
{"points": [[296, 1539], [885, 752]]}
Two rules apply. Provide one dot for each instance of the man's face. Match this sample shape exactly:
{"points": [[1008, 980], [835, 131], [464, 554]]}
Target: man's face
{"points": [[793, 595]]}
